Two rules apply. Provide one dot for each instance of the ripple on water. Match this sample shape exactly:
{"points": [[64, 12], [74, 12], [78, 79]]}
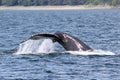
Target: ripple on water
{"points": [[97, 28]]}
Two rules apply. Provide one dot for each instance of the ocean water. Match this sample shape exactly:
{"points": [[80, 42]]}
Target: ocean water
{"points": [[100, 29]]}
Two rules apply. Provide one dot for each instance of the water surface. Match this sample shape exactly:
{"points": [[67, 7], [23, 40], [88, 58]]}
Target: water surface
{"points": [[100, 29]]}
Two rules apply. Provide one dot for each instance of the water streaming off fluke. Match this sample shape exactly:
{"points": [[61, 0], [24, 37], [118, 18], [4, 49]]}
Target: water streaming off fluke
{"points": [[36, 46]]}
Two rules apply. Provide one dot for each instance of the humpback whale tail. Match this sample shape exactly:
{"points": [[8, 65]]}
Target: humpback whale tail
{"points": [[69, 42]]}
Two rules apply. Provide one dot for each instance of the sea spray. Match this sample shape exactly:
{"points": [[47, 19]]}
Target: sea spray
{"points": [[94, 52], [36, 46]]}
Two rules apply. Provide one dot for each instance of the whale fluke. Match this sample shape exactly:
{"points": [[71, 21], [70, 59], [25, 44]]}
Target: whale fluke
{"points": [[69, 42]]}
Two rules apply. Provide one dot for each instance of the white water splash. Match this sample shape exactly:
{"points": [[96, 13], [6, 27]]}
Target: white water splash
{"points": [[94, 52], [36, 46], [46, 46]]}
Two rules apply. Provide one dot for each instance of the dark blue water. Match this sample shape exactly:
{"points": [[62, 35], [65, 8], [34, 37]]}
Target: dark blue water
{"points": [[100, 29]]}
